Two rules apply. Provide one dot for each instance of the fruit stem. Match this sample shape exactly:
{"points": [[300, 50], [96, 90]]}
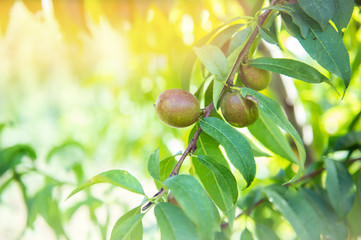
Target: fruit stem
{"points": [[192, 146]]}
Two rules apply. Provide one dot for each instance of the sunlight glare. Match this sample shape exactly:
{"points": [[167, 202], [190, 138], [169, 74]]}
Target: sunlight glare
{"points": [[187, 26], [150, 15], [206, 23]]}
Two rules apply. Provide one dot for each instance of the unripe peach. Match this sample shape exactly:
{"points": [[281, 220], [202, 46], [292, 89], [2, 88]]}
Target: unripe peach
{"points": [[257, 79], [237, 110], [177, 108]]}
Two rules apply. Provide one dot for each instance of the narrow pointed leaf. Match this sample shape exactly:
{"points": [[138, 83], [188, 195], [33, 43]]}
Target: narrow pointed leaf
{"points": [[289, 9], [320, 10], [12, 156], [340, 188], [199, 93], [213, 59], [191, 57], [291, 68], [263, 232], [237, 148], [246, 235], [326, 47], [217, 90], [297, 210], [268, 36], [206, 145], [268, 133], [90, 202], [218, 181], [343, 13], [256, 151], [223, 36], [129, 226], [359, 187], [348, 141], [43, 204], [173, 224], [166, 166], [353, 219], [195, 203], [231, 215], [119, 178], [331, 227], [153, 165], [273, 111], [236, 45], [238, 39]]}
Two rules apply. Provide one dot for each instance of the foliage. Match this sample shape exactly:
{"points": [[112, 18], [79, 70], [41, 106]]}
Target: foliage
{"points": [[265, 181]]}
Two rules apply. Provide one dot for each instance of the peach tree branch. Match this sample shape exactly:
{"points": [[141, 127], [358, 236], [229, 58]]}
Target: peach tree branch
{"points": [[192, 146]]}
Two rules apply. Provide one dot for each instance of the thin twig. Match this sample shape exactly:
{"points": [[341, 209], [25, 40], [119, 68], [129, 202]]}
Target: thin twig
{"points": [[208, 110], [307, 176]]}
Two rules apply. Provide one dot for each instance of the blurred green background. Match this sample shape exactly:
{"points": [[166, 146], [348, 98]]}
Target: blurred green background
{"points": [[78, 80]]}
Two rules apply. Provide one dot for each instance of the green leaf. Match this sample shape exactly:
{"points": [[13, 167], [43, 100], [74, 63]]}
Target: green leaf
{"points": [[291, 68], [359, 187], [263, 232], [195, 203], [208, 95], [217, 90], [64, 146], [90, 202], [166, 166], [331, 227], [45, 205], [356, 119], [268, 133], [224, 35], [268, 36], [289, 9], [349, 141], [356, 61], [206, 145], [119, 178], [251, 198], [173, 224], [320, 10], [213, 59], [246, 235], [354, 218], [231, 215], [218, 181], [220, 236], [199, 93], [5, 185], [238, 39], [297, 210], [255, 149], [236, 45], [326, 47], [2, 126], [12, 156], [153, 165], [237, 147], [340, 188], [343, 13], [273, 110], [129, 226], [191, 57]]}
